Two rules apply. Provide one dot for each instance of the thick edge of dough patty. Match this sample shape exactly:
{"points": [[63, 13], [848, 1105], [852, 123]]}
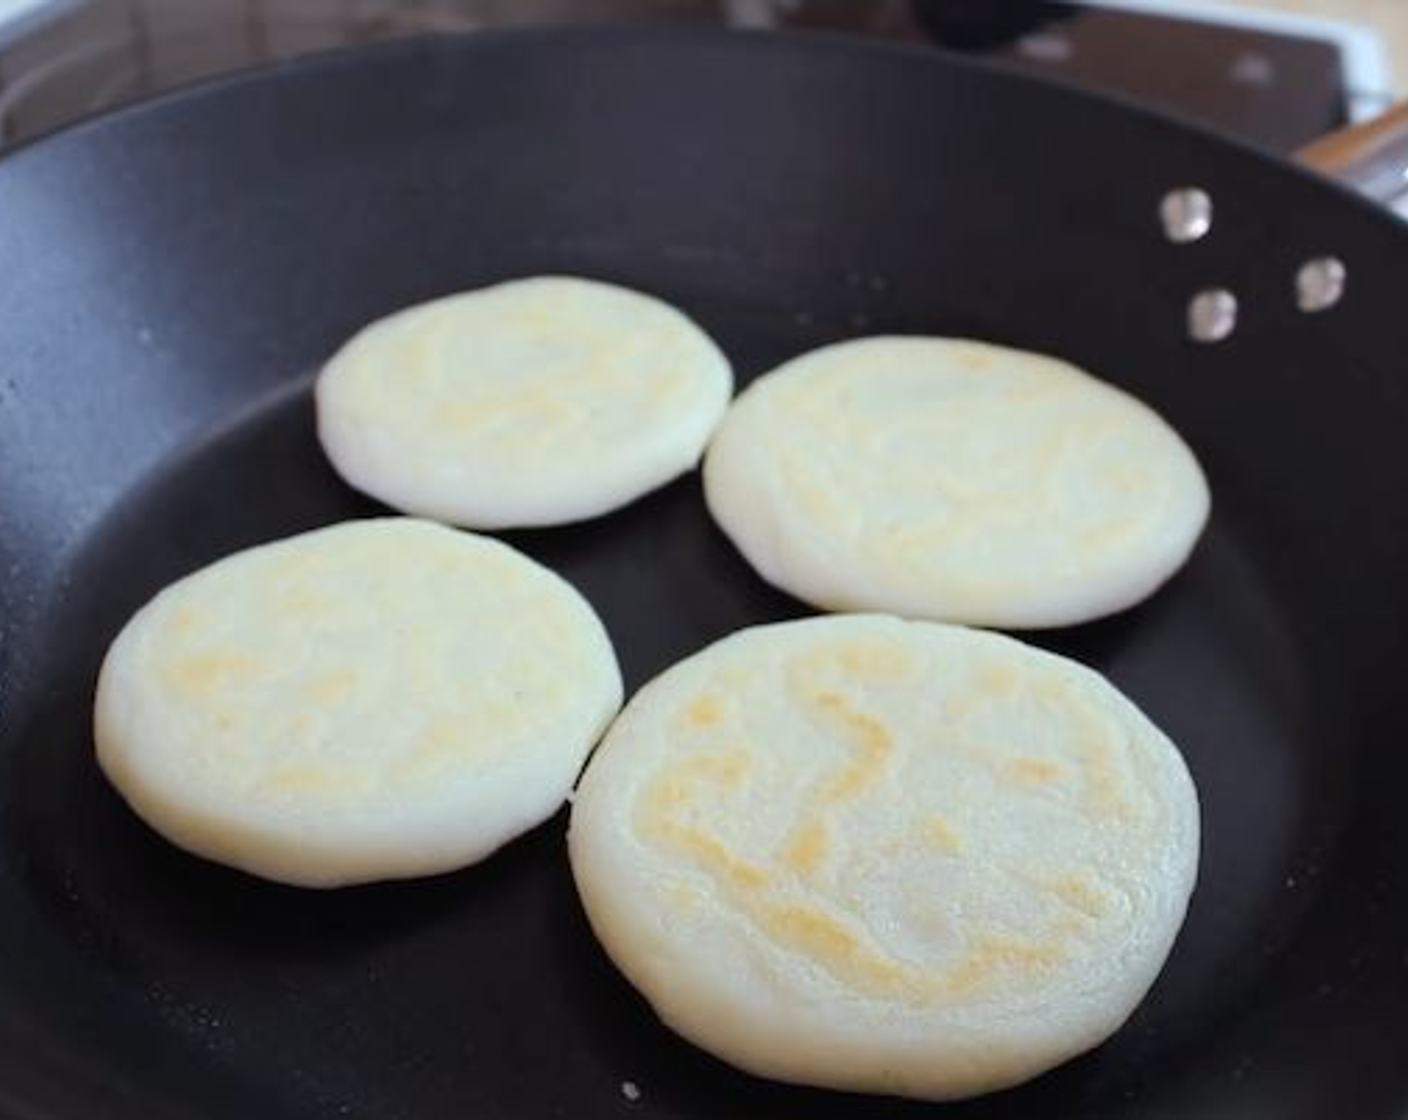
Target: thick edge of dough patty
{"points": [[377, 699], [532, 402], [885, 856]]}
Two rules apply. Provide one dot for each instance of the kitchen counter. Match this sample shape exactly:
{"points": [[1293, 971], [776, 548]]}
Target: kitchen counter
{"points": [[1389, 18]]}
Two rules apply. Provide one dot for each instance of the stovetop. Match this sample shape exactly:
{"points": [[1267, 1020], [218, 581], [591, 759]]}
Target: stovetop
{"points": [[64, 59]]}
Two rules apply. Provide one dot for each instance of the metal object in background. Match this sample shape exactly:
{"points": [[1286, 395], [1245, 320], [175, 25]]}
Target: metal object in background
{"points": [[1372, 157]]}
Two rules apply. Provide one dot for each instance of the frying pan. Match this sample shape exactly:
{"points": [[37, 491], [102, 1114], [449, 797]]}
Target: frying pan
{"points": [[172, 274]]}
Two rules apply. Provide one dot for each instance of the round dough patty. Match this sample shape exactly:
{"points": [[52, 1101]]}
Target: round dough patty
{"points": [[379, 699], [887, 856], [953, 480], [532, 402]]}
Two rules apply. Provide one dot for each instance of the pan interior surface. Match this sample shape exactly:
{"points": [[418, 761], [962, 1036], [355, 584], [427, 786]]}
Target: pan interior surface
{"points": [[180, 269]]}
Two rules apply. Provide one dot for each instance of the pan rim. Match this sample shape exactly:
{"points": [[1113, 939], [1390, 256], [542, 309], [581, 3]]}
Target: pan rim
{"points": [[605, 36]]}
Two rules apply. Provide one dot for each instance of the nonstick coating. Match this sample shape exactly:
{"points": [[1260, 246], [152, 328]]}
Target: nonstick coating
{"points": [[171, 275]]}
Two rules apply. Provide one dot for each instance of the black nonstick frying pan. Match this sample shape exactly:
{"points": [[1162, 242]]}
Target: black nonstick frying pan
{"points": [[169, 277]]}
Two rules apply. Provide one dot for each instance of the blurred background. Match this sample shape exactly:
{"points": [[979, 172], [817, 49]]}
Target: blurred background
{"points": [[1276, 73]]}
